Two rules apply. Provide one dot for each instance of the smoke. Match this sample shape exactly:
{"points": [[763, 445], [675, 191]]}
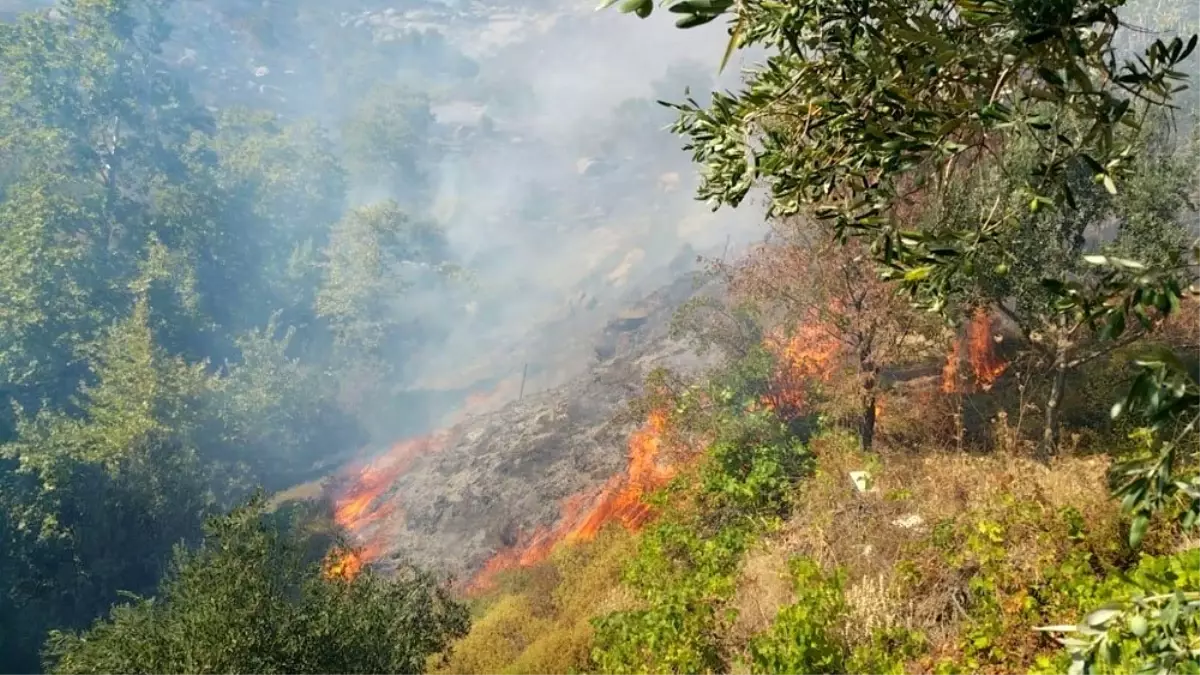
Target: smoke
{"points": [[558, 210], [544, 156]]}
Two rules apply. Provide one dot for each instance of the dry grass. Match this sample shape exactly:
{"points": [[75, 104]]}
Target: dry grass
{"points": [[906, 544], [538, 620], [764, 587]]}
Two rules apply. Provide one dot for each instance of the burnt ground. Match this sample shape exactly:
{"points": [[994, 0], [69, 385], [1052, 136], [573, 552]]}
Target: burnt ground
{"points": [[507, 471]]}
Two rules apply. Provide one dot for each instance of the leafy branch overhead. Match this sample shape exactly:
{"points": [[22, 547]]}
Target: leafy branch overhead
{"points": [[864, 116], [861, 107]]}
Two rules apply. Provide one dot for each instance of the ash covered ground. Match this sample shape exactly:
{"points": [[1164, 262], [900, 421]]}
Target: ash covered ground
{"points": [[461, 494]]}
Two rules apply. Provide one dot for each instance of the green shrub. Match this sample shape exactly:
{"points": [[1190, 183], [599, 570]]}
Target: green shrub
{"points": [[754, 474], [804, 637], [1151, 622], [685, 571]]}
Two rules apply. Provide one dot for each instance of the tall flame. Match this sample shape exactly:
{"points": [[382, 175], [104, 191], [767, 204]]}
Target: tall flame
{"points": [[806, 356], [985, 365], [584, 515]]}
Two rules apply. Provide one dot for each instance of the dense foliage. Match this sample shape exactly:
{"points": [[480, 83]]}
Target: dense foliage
{"points": [[184, 298], [252, 599]]}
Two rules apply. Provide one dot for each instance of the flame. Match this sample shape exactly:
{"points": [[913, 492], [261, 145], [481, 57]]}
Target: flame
{"points": [[981, 351], [364, 507], [809, 354], [806, 356], [344, 565], [360, 505], [985, 365], [585, 514], [950, 370]]}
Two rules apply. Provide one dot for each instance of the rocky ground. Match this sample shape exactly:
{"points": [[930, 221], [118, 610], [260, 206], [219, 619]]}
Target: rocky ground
{"points": [[493, 476]]}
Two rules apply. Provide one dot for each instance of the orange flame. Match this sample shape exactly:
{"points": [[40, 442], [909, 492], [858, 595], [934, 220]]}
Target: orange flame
{"points": [[986, 366], [344, 565], [981, 350], [362, 506], [950, 370], [584, 515], [808, 355], [362, 509]]}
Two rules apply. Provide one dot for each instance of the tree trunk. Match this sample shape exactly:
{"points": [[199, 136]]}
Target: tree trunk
{"points": [[870, 396], [1050, 432]]}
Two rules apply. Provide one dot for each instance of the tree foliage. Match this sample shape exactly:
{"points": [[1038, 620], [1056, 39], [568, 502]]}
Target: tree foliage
{"points": [[250, 600], [864, 113], [163, 347]]}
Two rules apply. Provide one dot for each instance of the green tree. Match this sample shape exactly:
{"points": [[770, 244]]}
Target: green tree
{"points": [[387, 139], [286, 189], [860, 107], [251, 599], [99, 164], [276, 413], [93, 503], [376, 254], [1144, 221]]}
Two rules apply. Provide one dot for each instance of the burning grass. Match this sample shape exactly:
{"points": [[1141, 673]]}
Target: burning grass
{"points": [[620, 500], [537, 619]]}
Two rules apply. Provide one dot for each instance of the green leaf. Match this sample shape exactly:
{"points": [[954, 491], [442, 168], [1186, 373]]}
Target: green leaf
{"points": [[1137, 529], [693, 20], [1114, 327], [1127, 264], [1101, 616], [918, 273], [735, 37], [641, 7], [1159, 355]]}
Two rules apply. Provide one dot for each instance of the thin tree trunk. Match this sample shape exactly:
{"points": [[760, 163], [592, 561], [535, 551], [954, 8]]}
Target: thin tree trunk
{"points": [[1050, 431], [870, 397]]}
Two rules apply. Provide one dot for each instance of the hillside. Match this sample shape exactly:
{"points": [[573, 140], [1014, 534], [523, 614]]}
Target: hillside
{"points": [[396, 336], [505, 467]]}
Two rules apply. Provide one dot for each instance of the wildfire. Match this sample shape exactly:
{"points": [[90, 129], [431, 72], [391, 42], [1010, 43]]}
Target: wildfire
{"points": [[344, 565], [985, 365], [361, 508], [584, 515], [808, 355]]}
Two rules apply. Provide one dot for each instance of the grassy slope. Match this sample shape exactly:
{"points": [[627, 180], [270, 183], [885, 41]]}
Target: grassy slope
{"points": [[948, 561], [946, 564]]}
